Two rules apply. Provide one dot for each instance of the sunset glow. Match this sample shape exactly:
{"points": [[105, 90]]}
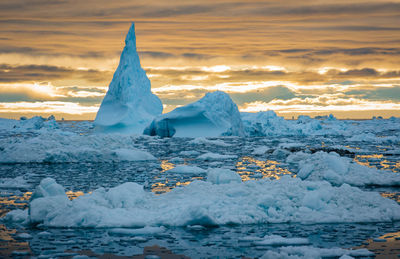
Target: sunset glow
{"points": [[293, 57]]}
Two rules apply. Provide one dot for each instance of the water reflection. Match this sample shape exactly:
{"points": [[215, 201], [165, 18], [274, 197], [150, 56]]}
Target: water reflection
{"points": [[378, 161], [10, 247], [250, 168], [386, 246], [166, 165], [12, 202]]}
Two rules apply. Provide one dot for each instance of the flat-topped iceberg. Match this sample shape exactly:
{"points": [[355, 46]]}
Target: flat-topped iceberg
{"points": [[213, 115], [129, 104], [204, 203]]}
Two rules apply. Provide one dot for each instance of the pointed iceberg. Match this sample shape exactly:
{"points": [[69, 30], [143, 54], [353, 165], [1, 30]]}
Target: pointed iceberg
{"points": [[129, 104], [213, 115]]}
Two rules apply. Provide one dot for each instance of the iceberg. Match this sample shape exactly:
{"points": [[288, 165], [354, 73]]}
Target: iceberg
{"points": [[129, 104], [204, 203], [213, 115]]}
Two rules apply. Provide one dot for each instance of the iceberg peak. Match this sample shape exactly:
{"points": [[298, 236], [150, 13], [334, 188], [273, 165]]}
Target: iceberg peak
{"points": [[129, 104], [130, 39]]}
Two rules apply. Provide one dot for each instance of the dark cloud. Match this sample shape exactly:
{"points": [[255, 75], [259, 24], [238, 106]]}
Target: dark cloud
{"points": [[263, 95], [28, 73], [377, 93]]}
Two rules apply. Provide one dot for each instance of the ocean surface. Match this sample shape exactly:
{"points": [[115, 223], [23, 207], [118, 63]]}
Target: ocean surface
{"points": [[19, 180]]}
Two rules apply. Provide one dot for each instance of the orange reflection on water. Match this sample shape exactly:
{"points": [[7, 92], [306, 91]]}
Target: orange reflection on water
{"points": [[391, 195], [9, 247], [268, 168], [159, 188], [73, 195], [166, 165], [376, 159], [19, 202]]}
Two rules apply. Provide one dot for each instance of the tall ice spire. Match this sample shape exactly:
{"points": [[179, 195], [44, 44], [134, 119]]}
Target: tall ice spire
{"points": [[129, 103]]}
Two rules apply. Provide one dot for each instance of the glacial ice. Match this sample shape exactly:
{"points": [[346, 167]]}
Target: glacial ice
{"points": [[337, 170], [204, 203], [129, 105], [36, 123], [213, 115], [55, 147]]}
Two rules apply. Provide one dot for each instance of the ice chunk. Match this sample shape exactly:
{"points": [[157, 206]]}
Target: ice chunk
{"points": [[338, 170], [311, 252], [133, 155], [213, 156], [222, 176], [205, 141], [213, 115], [203, 203], [129, 105], [275, 240], [17, 182]]}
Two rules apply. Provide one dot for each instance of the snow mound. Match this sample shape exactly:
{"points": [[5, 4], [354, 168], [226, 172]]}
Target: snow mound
{"points": [[203, 203], [339, 170], [213, 115], [129, 105], [65, 148]]}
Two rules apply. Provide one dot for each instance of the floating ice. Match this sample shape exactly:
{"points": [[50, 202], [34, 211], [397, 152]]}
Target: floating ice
{"points": [[213, 115], [203, 203], [36, 123], [213, 156], [61, 148], [129, 104], [310, 252], [17, 182], [222, 176], [338, 170]]}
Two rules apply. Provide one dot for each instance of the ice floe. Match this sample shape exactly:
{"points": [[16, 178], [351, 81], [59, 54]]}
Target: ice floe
{"points": [[338, 170], [204, 203]]}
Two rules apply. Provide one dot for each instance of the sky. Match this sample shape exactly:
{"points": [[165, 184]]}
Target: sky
{"points": [[293, 57]]}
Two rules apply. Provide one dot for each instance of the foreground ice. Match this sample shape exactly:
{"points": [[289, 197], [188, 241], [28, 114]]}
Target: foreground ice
{"points": [[213, 115], [204, 203], [338, 170], [129, 104]]}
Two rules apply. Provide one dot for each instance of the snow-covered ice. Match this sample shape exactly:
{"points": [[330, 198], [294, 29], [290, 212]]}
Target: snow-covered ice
{"points": [[213, 115], [204, 203], [129, 104], [338, 170]]}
